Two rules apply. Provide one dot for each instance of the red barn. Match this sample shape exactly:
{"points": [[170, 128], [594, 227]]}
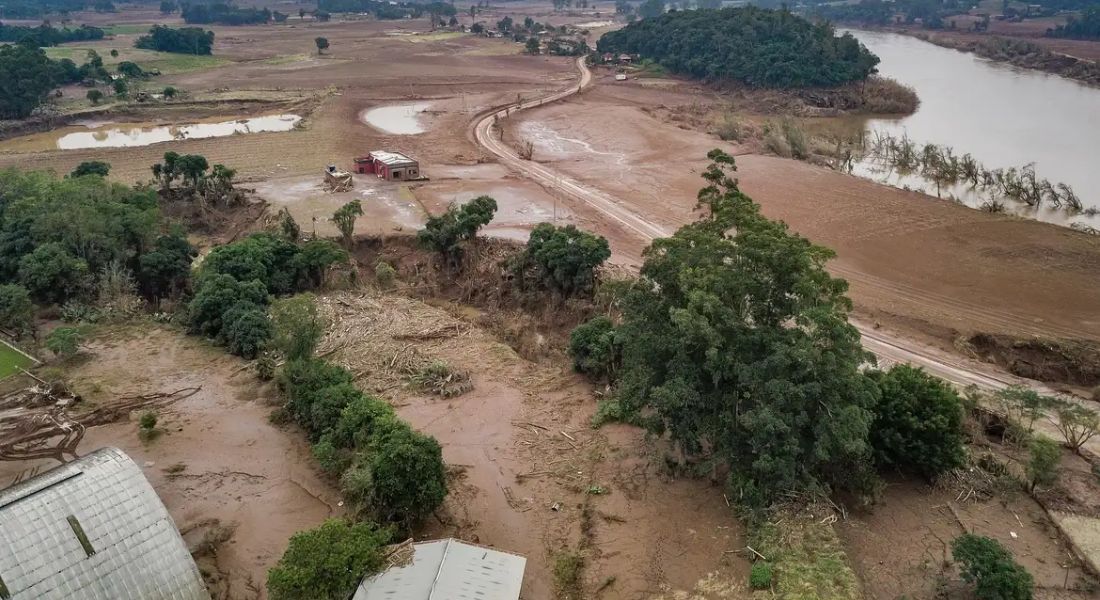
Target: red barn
{"points": [[388, 165]]}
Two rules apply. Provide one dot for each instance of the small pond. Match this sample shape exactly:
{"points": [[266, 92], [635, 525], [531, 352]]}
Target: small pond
{"points": [[398, 119]]}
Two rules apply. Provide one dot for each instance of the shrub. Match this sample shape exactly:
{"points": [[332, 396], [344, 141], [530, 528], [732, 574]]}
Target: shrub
{"points": [[299, 379], [94, 96], [170, 92], [593, 348], [564, 258], [51, 274], [988, 565], [760, 577], [326, 405], [327, 563], [148, 420], [384, 274], [401, 478], [216, 295], [345, 216], [64, 341], [247, 329], [298, 326], [91, 167], [918, 422], [359, 420], [16, 309], [1076, 423], [1042, 465]]}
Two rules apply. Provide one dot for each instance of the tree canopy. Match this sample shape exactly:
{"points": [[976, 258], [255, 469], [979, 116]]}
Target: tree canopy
{"points": [[28, 77], [223, 14], [184, 40], [735, 342], [1084, 27], [563, 259], [448, 233], [47, 35], [327, 563], [758, 47]]}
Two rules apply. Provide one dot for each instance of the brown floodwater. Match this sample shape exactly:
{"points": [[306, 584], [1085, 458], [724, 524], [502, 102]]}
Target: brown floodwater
{"points": [[108, 134], [1003, 115]]}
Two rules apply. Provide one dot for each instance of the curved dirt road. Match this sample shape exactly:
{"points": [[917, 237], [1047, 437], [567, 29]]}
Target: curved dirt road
{"points": [[889, 349]]}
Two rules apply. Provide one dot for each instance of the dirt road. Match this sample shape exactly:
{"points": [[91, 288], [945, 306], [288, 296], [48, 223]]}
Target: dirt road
{"points": [[888, 348]]}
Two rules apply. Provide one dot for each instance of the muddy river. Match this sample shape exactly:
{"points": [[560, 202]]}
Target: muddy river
{"points": [[1002, 115], [107, 134]]}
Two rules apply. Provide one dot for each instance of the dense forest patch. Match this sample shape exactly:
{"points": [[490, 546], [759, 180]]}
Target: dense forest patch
{"points": [[758, 47]]}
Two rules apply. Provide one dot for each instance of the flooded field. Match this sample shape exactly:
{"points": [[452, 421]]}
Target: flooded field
{"points": [[399, 119], [1004, 116], [106, 134]]}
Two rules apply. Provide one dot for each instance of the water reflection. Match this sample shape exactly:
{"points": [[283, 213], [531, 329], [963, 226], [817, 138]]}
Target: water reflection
{"points": [[124, 136]]}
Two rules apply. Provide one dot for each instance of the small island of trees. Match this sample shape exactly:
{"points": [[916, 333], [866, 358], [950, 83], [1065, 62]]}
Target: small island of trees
{"points": [[758, 47]]}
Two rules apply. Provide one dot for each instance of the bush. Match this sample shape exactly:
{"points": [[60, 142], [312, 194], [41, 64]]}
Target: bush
{"points": [[298, 326], [328, 562], [1042, 465], [326, 406], [361, 419], [185, 40], [247, 330], [918, 422], [988, 565], [760, 577], [564, 258], [94, 96], [593, 348], [91, 167], [300, 379], [401, 478], [64, 341], [51, 274], [216, 295], [384, 274]]}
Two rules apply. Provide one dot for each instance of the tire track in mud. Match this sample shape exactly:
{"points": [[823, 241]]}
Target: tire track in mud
{"points": [[888, 348]]}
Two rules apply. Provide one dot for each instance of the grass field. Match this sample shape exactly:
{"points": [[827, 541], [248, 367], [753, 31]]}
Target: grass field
{"points": [[11, 360], [167, 62]]}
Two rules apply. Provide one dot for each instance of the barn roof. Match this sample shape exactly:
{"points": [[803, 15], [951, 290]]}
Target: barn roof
{"points": [[92, 529], [448, 570], [391, 158]]}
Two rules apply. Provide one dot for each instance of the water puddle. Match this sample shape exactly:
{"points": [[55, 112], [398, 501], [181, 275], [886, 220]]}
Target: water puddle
{"points": [[399, 119], [107, 134]]}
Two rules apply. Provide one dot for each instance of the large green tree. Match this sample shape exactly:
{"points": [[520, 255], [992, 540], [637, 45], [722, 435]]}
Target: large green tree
{"points": [[448, 233], [27, 76], [328, 562], [564, 259], [735, 342]]}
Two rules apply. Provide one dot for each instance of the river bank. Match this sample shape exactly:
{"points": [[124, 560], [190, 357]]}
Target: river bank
{"points": [[1017, 51]]}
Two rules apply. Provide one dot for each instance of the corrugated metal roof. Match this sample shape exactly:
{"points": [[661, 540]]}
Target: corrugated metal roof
{"points": [[100, 503], [391, 158], [448, 570]]}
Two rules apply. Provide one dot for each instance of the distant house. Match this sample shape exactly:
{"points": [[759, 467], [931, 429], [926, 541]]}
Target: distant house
{"points": [[388, 165], [92, 529], [448, 570]]}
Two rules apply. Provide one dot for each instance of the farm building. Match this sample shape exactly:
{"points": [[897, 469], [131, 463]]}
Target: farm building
{"points": [[388, 165], [447, 570], [92, 529]]}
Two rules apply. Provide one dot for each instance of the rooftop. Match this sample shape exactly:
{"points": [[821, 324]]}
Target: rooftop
{"points": [[391, 158], [448, 570], [92, 529]]}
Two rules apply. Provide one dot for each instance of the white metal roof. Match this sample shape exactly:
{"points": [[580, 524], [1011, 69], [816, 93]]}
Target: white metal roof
{"points": [[391, 158], [448, 570], [134, 550]]}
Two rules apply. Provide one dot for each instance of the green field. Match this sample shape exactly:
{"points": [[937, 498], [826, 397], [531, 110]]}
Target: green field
{"points": [[11, 360], [167, 62]]}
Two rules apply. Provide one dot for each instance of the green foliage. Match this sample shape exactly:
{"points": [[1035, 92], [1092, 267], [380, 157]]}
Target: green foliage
{"points": [[564, 259], [1044, 455], [223, 13], [301, 379], [299, 326], [165, 271], [758, 47], [532, 45], [47, 35], [361, 419], [1024, 405], [170, 92], [322, 44], [247, 329], [94, 96], [288, 226], [326, 406], [594, 350], [64, 341], [1076, 423], [344, 218], [447, 233], [216, 296], [185, 40], [120, 88], [760, 577], [28, 77], [131, 69], [1083, 27], [918, 422], [16, 309], [148, 420], [327, 563], [406, 474], [282, 266], [384, 274], [569, 575], [735, 342], [91, 167], [51, 274], [988, 565]]}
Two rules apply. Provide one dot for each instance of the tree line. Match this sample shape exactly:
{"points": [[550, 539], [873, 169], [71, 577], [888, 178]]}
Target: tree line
{"points": [[184, 40], [388, 10], [1083, 27], [222, 14], [757, 47], [47, 35]]}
